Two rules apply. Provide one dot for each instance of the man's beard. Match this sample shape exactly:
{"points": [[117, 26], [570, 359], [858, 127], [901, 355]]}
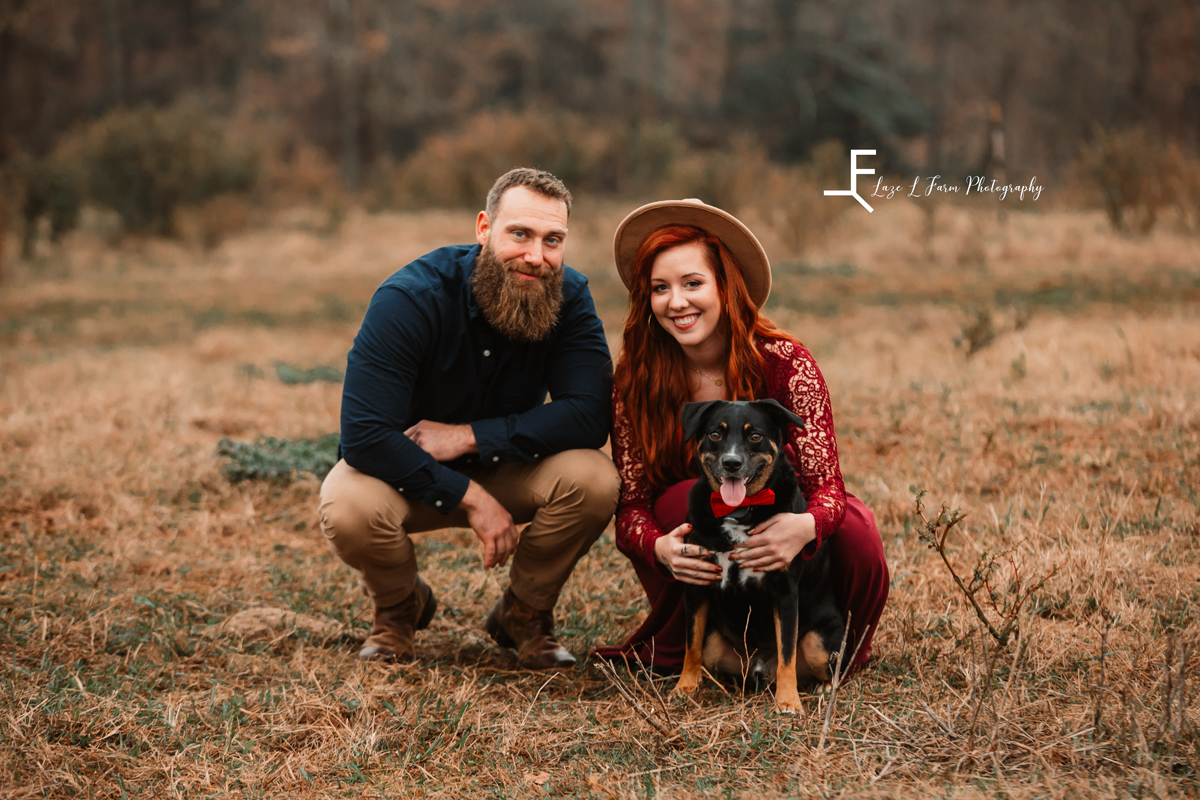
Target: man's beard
{"points": [[522, 310]]}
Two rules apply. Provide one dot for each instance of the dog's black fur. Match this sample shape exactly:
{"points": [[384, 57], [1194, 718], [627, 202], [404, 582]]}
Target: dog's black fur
{"points": [[754, 623]]}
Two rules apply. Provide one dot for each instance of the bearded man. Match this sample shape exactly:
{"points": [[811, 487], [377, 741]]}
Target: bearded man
{"points": [[445, 424]]}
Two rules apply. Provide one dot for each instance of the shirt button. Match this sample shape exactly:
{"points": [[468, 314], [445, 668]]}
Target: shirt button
{"points": [[487, 352], [438, 504], [495, 458], [401, 490], [535, 455]]}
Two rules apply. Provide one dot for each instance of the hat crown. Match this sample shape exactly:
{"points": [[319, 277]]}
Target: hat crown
{"points": [[747, 251]]}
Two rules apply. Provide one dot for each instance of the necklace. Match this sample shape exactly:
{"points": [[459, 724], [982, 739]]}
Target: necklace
{"points": [[717, 381]]}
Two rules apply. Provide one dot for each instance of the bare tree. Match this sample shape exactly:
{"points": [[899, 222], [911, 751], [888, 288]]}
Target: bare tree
{"points": [[346, 60]]}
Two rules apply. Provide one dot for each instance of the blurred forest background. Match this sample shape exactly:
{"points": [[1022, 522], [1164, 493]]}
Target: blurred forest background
{"points": [[145, 107]]}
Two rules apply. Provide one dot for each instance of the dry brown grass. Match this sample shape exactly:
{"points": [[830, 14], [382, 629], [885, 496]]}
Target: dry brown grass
{"points": [[1074, 437]]}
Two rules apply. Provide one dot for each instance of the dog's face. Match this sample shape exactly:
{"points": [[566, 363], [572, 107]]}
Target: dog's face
{"points": [[738, 443]]}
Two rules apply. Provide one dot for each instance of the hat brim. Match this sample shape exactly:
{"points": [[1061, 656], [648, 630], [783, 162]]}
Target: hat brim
{"points": [[737, 238]]}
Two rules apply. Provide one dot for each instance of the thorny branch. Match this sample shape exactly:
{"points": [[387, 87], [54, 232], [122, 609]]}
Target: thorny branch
{"points": [[648, 714], [1007, 606], [839, 675]]}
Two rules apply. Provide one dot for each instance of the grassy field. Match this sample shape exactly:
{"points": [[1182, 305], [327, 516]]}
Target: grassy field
{"points": [[1070, 437]]}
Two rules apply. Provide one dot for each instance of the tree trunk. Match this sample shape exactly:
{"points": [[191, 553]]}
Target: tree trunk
{"points": [[8, 43], [662, 56], [114, 55], [637, 66], [346, 77], [1189, 129]]}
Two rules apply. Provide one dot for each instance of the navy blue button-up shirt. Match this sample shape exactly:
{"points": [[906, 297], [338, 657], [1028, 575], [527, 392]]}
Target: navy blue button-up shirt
{"points": [[425, 351]]}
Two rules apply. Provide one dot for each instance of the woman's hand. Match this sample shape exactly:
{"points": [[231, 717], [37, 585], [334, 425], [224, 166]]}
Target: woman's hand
{"points": [[685, 561], [774, 543]]}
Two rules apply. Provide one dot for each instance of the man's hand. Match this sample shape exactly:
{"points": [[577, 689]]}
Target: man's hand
{"points": [[492, 524], [443, 442], [774, 543]]}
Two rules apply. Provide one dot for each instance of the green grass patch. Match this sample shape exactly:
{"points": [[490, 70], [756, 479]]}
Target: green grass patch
{"points": [[293, 376], [277, 460]]}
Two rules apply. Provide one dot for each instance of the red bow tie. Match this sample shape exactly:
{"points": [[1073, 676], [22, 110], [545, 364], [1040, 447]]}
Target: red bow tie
{"points": [[764, 498]]}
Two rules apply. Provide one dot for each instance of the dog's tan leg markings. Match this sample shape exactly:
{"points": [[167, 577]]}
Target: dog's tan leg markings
{"points": [[693, 658], [787, 698], [816, 656]]}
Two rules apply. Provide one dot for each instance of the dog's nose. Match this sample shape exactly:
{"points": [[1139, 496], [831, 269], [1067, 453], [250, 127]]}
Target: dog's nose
{"points": [[731, 462]]}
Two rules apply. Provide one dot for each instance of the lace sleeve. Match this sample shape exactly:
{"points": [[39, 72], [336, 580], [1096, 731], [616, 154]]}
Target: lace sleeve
{"points": [[794, 380], [636, 528]]}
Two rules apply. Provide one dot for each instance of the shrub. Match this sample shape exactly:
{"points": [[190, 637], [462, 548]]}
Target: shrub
{"points": [[215, 220], [729, 178], [277, 460], [53, 188], [978, 332], [294, 171], [292, 376], [785, 200], [456, 169], [650, 152], [1183, 185], [146, 163], [1129, 171]]}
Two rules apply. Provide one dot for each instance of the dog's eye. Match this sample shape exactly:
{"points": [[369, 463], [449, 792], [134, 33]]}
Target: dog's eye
{"points": [[715, 435], [756, 437]]}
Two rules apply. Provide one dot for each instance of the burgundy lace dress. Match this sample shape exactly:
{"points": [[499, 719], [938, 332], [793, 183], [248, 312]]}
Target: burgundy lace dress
{"points": [[645, 513]]}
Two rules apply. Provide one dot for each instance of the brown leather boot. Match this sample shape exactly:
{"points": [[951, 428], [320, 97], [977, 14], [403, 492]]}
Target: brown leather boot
{"points": [[529, 631], [391, 637]]}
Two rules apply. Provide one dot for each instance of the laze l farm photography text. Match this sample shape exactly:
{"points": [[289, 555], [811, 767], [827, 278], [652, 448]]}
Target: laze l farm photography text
{"points": [[977, 184]]}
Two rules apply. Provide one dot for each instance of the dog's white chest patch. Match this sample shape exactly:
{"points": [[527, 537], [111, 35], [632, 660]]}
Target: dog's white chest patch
{"points": [[737, 533]]}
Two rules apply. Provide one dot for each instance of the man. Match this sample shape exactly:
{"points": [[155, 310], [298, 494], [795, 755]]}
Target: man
{"points": [[444, 423]]}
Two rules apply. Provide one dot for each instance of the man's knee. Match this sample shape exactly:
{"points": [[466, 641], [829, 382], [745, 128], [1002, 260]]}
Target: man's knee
{"points": [[355, 508], [588, 479]]}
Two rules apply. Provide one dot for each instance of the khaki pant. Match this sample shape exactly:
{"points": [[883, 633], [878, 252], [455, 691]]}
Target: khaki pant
{"points": [[567, 499]]}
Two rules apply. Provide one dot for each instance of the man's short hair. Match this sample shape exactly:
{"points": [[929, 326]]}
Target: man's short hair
{"points": [[537, 180]]}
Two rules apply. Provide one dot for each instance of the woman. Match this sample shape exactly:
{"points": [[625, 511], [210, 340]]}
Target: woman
{"points": [[697, 277]]}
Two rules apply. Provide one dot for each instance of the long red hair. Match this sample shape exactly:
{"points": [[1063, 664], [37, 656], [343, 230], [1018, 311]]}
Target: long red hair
{"points": [[651, 376]]}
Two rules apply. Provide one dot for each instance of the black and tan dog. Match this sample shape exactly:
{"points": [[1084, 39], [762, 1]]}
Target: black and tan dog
{"points": [[752, 623]]}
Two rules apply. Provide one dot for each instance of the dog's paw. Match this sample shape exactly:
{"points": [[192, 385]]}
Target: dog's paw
{"points": [[789, 705], [686, 685]]}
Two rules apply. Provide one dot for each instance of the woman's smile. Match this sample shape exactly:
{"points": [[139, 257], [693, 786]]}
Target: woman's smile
{"points": [[684, 297]]}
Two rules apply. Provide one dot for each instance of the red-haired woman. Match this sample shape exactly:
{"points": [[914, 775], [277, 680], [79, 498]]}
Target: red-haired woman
{"points": [[697, 278]]}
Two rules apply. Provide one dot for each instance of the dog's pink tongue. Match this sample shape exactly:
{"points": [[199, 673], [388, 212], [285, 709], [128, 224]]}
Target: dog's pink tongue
{"points": [[733, 491]]}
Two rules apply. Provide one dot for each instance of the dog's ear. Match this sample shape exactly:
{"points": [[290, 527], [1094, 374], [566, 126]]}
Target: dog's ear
{"points": [[693, 416], [778, 414]]}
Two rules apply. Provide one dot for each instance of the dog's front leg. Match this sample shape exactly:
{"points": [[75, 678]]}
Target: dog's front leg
{"points": [[696, 610], [787, 698]]}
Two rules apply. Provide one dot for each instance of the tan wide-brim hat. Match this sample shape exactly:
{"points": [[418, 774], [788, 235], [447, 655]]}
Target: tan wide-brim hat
{"points": [[745, 247]]}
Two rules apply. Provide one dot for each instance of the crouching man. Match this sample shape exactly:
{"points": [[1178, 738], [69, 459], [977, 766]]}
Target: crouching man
{"points": [[444, 423]]}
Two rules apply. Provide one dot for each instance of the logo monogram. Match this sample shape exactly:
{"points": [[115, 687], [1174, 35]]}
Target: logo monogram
{"points": [[854, 173]]}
